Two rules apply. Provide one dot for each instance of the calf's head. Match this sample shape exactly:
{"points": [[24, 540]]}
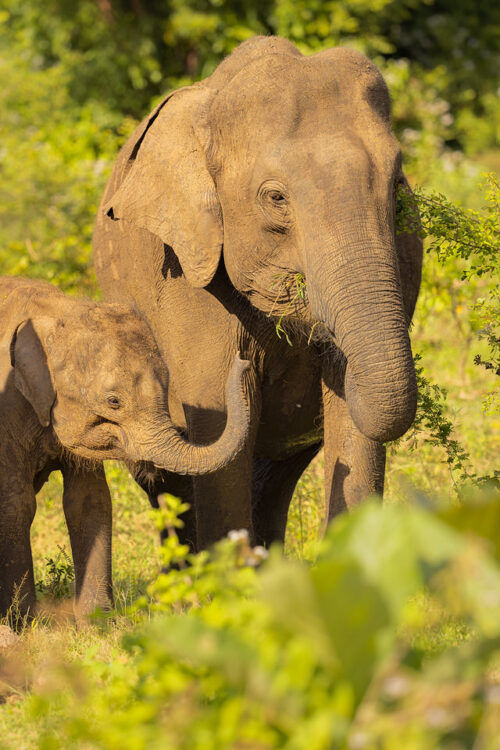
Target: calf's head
{"points": [[95, 374]]}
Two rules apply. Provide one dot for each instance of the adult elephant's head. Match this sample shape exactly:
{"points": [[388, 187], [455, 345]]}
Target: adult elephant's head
{"points": [[287, 164]]}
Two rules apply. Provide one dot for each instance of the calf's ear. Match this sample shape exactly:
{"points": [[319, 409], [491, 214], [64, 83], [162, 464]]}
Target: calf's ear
{"points": [[28, 356]]}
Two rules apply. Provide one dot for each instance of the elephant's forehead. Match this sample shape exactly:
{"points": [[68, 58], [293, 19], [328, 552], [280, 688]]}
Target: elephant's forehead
{"points": [[296, 96], [338, 153], [125, 349], [119, 369]]}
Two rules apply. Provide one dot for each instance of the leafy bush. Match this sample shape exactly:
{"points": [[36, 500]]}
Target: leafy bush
{"points": [[59, 574], [389, 640], [473, 239]]}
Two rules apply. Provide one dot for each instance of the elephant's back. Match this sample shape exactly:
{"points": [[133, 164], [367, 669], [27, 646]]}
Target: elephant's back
{"points": [[20, 297], [31, 286], [109, 239]]}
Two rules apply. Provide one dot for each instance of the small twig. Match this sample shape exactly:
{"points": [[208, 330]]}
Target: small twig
{"points": [[31, 250]]}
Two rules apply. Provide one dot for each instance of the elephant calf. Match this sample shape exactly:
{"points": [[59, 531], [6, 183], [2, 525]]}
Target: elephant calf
{"points": [[81, 382]]}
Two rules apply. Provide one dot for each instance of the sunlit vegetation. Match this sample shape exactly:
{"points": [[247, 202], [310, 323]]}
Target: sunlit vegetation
{"points": [[391, 638]]}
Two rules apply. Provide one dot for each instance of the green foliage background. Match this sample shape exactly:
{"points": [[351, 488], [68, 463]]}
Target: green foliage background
{"points": [[75, 76], [219, 658]]}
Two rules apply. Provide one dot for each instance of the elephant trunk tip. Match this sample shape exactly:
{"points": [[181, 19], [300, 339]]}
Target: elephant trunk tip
{"points": [[386, 421], [178, 455], [239, 367]]}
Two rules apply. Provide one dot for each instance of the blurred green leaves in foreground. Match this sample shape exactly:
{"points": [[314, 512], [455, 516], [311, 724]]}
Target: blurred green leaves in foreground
{"points": [[391, 639]]}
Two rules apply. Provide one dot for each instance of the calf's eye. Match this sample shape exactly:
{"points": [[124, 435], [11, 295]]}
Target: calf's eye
{"points": [[113, 402]]}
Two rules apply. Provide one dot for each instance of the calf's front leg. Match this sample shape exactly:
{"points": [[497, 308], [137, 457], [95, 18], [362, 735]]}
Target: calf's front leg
{"points": [[87, 508], [17, 584]]}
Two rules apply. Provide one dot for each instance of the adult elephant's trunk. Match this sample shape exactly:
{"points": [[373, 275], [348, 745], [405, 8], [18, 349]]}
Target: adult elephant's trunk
{"points": [[354, 289], [172, 452]]}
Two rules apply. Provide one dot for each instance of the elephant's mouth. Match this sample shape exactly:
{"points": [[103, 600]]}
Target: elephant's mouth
{"points": [[275, 290], [280, 294], [103, 453], [104, 441]]}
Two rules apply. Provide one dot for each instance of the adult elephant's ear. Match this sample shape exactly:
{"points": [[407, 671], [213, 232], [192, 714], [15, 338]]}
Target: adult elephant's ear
{"points": [[168, 189], [409, 248]]}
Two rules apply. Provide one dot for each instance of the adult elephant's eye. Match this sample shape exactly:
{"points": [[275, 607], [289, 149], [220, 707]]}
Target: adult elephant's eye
{"points": [[277, 197], [113, 402], [273, 201]]}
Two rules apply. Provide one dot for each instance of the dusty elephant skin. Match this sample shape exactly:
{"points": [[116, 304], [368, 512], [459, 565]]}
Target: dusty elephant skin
{"points": [[275, 165], [81, 382]]}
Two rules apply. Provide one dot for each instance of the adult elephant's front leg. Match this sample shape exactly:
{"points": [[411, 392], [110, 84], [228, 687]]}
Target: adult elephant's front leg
{"points": [[158, 482], [87, 507], [223, 501], [354, 464]]}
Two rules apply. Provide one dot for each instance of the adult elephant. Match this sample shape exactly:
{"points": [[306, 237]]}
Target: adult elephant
{"points": [[267, 193]]}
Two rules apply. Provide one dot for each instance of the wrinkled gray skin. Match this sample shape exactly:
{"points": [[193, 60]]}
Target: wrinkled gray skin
{"points": [[276, 164], [81, 382]]}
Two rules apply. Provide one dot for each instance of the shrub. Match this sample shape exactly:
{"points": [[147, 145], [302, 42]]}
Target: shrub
{"points": [[388, 640]]}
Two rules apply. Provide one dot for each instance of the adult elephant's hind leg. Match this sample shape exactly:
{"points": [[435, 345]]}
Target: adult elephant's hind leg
{"points": [[272, 490], [156, 482], [354, 464], [87, 507], [187, 532]]}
